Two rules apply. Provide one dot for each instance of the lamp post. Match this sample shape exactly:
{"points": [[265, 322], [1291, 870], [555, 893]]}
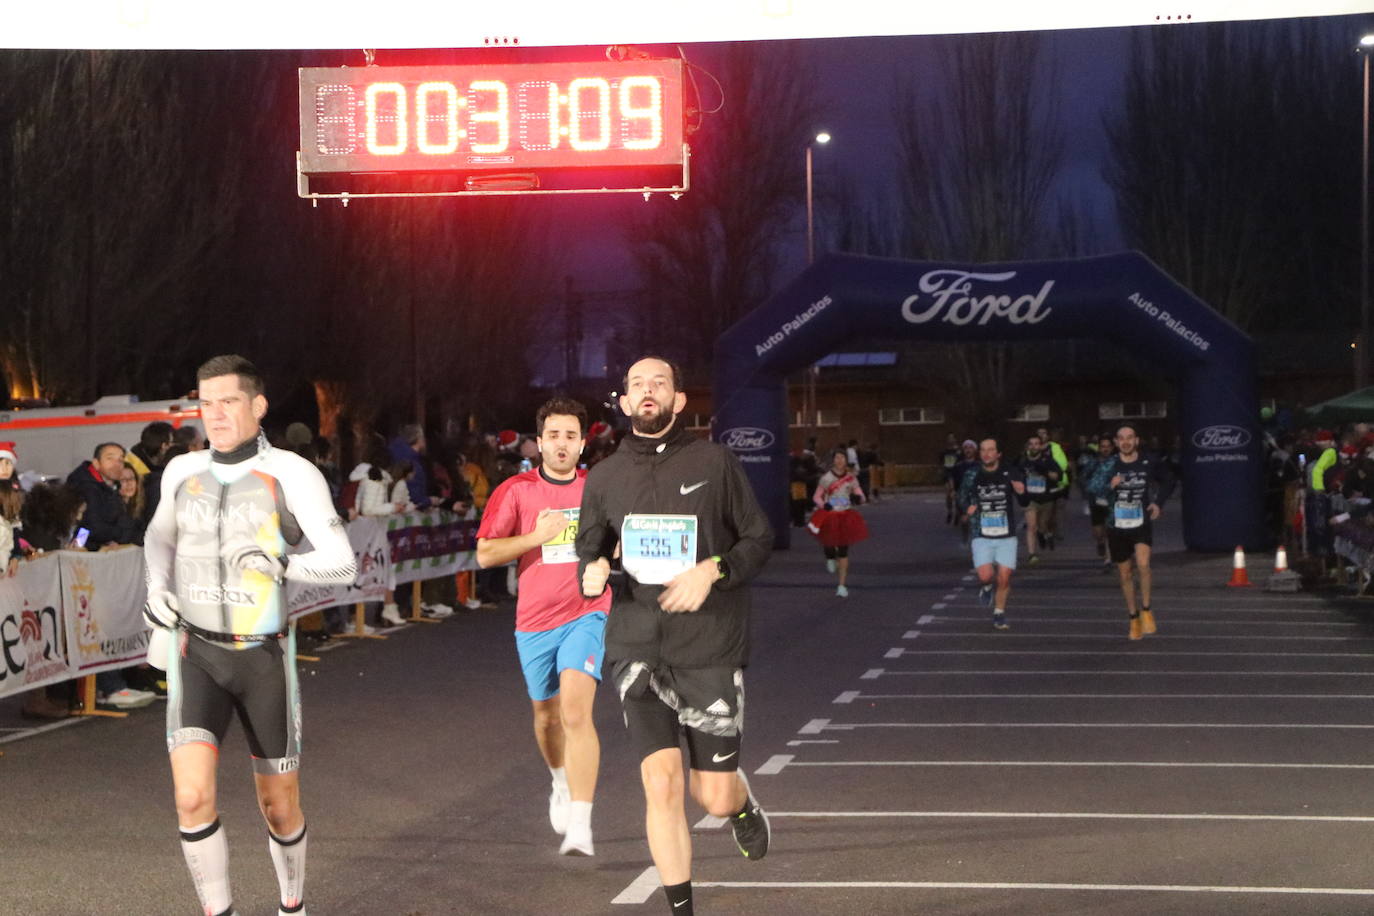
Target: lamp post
{"points": [[1362, 361], [811, 415], [824, 138]]}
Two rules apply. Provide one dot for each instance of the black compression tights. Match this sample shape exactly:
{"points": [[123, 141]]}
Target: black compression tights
{"points": [[834, 553]]}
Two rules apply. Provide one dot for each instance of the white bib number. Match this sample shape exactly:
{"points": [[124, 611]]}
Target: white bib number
{"points": [[561, 549], [1129, 514], [1035, 483], [839, 501], [994, 524], [655, 548]]}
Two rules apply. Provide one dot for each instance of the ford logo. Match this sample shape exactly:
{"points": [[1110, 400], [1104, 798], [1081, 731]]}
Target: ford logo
{"points": [[1221, 437], [746, 439]]}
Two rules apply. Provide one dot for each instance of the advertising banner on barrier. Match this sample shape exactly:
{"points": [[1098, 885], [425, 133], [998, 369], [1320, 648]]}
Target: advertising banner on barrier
{"points": [[33, 648], [368, 537], [427, 545], [102, 596]]}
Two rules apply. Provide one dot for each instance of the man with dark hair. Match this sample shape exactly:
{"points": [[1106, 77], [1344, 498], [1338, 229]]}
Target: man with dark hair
{"points": [[151, 450], [217, 560], [559, 634], [1135, 487], [189, 436], [106, 517], [690, 536]]}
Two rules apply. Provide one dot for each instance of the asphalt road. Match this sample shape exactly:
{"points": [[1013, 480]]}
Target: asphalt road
{"points": [[912, 760]]}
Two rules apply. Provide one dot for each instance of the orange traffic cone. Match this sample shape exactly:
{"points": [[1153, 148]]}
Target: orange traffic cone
{"points": [[1238, 574], [1281, 560]]}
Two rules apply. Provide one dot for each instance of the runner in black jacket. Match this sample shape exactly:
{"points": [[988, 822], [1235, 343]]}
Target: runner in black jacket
{"points": [[690, 536]]}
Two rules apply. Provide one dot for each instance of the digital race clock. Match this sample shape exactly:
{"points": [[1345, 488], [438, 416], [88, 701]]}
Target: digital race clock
{"points": [[515, 119]]}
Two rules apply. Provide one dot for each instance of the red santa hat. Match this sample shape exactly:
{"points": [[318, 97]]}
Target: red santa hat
{"points": [[7, 451], [507, 438], [598, 428]]}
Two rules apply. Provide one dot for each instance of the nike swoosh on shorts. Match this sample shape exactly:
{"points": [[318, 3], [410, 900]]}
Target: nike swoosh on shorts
{"points": [[716, 758], [684, 489]]}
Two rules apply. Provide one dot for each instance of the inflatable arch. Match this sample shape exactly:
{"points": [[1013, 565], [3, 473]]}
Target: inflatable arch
{"points": [[1123, 298]]}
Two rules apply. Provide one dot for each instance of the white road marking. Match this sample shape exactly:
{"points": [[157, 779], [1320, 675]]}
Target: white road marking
{"points": [[911, 634], [938, 606], [1135, 651], [1115, 637], [814, 727], [847, 697], [1173, 619], [1139, 764], [827, 725], [1093, 671], [951, 596], [798, 742], [1083, 816], [1033, 886], [872, 674], [40, 729], [773, 765], [641, 888], [711, 822], [1109, 696]]}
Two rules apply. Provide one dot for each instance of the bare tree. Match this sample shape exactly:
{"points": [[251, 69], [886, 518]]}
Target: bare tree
{"points": [[1235, 164], [712, 256], [977, 160]]}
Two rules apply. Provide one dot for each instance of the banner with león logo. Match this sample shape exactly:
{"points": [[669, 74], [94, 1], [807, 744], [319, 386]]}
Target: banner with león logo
{"points": [[102, 600], [33, 648]]}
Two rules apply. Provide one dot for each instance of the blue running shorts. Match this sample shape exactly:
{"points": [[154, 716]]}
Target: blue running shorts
{"points": [[579, 645], [1001, 551]]}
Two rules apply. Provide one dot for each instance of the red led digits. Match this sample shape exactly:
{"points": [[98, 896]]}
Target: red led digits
{"points": [[435, 104], [595, 93], [386, 117], [465, 117]]}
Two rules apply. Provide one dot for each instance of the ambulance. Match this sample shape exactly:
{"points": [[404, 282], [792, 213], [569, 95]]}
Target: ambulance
{"points": [[53, 441]]}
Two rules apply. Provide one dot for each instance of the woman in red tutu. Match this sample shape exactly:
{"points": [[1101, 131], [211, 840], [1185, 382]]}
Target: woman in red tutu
{"points": [[836, 522]]}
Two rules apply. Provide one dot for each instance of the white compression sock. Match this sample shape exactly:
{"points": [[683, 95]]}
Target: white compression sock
{"points": [[288, 857], [206, 848], [579, 815], [560, 778]]}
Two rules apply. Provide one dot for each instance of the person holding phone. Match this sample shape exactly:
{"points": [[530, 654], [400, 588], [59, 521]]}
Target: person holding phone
{"points": [[218, 557], [106, 517]]}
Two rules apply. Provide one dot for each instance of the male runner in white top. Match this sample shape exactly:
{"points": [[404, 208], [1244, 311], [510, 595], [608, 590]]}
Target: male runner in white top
{"points": [[216, 552]]}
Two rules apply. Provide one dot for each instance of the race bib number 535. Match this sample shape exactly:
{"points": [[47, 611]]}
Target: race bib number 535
{"points": [[655, 548]]}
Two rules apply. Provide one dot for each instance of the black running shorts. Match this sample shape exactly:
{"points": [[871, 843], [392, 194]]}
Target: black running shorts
{"points": [[207, 684], [1097, 515], [1121, 541], [662, 704]]}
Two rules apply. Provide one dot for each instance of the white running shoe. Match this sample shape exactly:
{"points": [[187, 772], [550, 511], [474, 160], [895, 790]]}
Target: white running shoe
{"points": [[128, 698], [842, 591], [392, 614], [437, 610], [577, 841], [473, 604], [559, 799], [830, 566]]}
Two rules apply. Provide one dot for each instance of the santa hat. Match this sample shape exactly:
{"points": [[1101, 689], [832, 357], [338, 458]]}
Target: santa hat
{"points": [[1324, 435], [507, 438], [7, 451], [598, 428]]}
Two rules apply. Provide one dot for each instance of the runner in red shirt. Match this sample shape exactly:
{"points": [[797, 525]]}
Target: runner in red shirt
{"points": [[559, 634]]}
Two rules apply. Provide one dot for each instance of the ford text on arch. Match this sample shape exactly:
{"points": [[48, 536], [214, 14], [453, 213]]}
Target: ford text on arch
{"points": [[950, 292], [746, 439], [1220, 437]]}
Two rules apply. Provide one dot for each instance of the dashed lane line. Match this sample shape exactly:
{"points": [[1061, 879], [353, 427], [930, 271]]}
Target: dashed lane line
{"points": [[1037, 886]]}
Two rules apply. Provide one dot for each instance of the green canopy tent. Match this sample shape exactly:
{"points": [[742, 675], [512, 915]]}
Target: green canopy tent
{"points": [[1355, 407]]}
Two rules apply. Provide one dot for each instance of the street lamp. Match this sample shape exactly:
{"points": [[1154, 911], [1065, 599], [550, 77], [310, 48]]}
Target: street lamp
{"points": [[824, 138], [1362, 379], [811, 414]]}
